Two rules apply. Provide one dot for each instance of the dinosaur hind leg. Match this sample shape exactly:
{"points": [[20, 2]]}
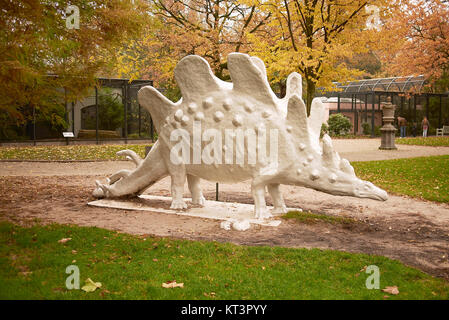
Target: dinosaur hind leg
{"points": [[195, 190], [278, 201], [260, 207]]}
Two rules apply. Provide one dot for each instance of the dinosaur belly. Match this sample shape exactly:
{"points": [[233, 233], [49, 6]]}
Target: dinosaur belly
{"points": [[220, 173]]}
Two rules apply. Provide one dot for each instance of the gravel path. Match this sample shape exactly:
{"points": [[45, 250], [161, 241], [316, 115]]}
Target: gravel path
{"points": [[351, 149], [368, 149]]}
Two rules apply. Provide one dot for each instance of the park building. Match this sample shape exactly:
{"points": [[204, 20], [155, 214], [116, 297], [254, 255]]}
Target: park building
{"points": [[361, 101]]}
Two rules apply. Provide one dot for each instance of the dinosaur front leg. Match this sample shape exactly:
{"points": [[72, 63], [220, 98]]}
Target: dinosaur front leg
{"points": [[278, 201], [118, 175], [178, 178], [195, 190], [132, 182], [260, 206]]}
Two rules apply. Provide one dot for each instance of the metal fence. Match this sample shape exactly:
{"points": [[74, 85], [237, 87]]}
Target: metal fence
{"points": [[110, 112], [361, 101]]}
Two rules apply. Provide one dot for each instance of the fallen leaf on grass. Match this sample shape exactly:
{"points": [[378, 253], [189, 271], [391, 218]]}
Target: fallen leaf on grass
{"points": [[91, 286], [212, 294], [172, 284], [64, 240], [391, 290]]}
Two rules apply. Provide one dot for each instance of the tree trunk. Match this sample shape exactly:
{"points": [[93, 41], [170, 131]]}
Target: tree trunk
{"points": [[282, 88], [310, 93]]}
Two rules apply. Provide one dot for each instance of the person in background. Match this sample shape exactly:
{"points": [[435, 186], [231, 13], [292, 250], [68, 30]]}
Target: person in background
{"points": [[425, 126], [402, 123]]}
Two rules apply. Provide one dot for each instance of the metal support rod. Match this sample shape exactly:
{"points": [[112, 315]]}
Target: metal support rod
{"points": [[66, 114], [378, 104], [366, 107], [338, 103], [139, 121], [409, 110], [356, 116], [96, 113], [427, 106], [439, 116], [34, 125], [373, 113], [125, 116], [151, 129], [216, 191], [414, 108], [402, 104], [73, 118]]}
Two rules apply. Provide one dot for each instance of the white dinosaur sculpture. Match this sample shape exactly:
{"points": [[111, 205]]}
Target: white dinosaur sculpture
{"points": [[192, 130]]}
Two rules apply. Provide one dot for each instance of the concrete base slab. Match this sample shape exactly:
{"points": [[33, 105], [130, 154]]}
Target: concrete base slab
{"points": [[212, 210]]}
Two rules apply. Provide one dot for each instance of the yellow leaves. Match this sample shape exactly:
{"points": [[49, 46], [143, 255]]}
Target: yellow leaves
{"points": [[172, 284], [315, 48], [91, 286], [210, 294], [64, 240]]}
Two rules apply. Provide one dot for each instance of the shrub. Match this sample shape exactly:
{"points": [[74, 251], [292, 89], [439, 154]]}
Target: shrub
{"points": [[377, 131], [324, 129], [366, 128], [339, 124]]}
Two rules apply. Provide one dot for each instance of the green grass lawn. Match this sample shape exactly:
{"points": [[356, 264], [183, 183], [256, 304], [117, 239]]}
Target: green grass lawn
{"points": [[33, 264], [71, 152], [429, 141], [308, 217], [424, 177]]}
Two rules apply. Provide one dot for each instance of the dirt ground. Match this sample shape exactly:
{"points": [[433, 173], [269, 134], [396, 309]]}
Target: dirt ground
{"points": [[412, 231]]}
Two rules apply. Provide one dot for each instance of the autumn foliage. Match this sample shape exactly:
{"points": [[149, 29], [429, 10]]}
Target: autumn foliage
{"points": [[41, 56], [323, 40], [421, 39]]}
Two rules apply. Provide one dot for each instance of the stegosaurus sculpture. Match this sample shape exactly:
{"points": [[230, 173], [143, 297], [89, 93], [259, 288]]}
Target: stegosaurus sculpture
{"points": [[242, 113]]}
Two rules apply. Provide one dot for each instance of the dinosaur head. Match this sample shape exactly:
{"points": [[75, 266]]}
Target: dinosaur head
{"points": [[342, 181], [335, 180], [321, 168], [327, 172]]}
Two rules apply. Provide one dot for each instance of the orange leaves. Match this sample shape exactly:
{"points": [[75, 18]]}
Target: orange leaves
{"points": [[179, 28], [420, 35]]}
